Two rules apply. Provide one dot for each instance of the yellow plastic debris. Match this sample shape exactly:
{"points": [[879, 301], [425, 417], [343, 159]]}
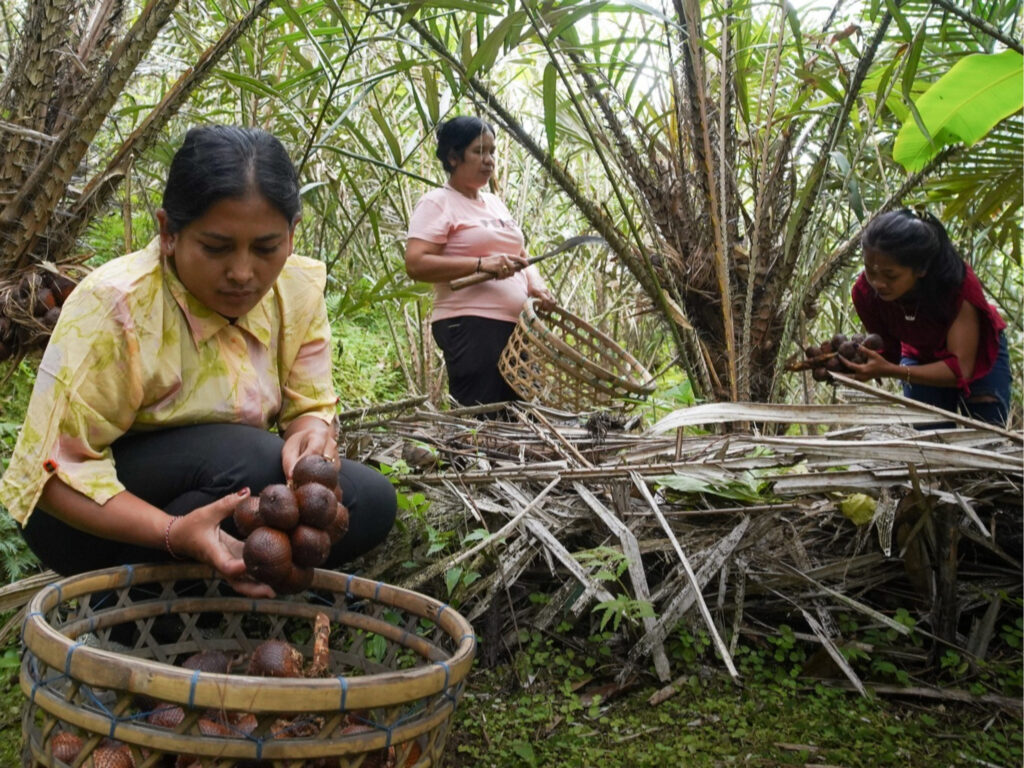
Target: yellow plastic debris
{"points": [[858, 507]]}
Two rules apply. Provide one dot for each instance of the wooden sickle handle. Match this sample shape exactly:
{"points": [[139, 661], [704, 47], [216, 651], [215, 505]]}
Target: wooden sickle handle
{"points": [[477, 277]]}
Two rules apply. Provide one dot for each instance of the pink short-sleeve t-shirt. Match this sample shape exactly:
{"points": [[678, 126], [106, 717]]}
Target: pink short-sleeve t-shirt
{"points": [[476, 228]]}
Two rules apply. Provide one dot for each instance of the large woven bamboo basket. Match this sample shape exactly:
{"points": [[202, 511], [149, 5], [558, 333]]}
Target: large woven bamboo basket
{"points": [[397, 665], [560, 360]]}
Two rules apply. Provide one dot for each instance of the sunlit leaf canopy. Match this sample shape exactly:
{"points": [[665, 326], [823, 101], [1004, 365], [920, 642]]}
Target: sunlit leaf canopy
{"points": [[728, 151], [964, 105]]}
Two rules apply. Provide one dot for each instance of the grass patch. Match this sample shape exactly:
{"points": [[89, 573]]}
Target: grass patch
{"points": [[712, 722], [11, 699]]}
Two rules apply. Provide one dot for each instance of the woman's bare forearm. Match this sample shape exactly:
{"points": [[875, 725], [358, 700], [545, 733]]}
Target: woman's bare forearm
{"points": [[125, 517]]}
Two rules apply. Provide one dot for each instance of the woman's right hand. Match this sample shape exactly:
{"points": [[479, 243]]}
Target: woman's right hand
{"points": [[503, 265], [198, 536], [875, 366]]}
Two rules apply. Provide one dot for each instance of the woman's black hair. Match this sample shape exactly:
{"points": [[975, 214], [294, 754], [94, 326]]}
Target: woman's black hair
{"points": [[921, 243], [216, 162], [457, 134]]}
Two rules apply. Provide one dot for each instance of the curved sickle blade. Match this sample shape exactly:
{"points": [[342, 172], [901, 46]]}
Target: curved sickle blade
{"points": [[573, 242]]}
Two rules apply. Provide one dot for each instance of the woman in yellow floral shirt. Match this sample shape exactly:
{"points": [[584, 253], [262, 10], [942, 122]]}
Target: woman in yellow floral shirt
{"points": [[151, 412]]}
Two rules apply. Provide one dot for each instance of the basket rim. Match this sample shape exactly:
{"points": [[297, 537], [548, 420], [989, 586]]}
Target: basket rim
{"points": [[108, 669], [532, 324]]}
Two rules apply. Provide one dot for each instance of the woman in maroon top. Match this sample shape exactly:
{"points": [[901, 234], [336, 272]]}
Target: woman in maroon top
{"points": [[943, 339]]}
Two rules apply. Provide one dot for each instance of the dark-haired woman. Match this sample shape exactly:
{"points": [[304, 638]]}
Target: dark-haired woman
{"points": [[943, 339], [461, 229], [150, 418]]}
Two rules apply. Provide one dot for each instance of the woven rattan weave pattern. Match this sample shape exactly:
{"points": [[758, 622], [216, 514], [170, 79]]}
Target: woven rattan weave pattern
{"points": [[398, 662], [563, 362]]}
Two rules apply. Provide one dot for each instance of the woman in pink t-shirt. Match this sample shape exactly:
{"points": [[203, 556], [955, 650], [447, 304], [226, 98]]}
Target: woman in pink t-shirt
{"points": [[458, 230]]}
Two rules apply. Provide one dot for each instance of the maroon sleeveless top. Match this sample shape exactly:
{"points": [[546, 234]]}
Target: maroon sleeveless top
{"points": [[924, 337]]}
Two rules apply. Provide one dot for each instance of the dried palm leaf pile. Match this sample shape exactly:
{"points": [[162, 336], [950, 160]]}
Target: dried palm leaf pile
{"points": [[732, 518]]}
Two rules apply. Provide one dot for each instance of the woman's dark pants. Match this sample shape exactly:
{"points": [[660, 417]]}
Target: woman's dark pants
{"points": [[472, 347], [185, 468]]}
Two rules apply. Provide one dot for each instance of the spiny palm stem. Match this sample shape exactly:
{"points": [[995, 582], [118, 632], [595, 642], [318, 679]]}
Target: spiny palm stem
{"points": [[25, 217], [28, 87], [806, 200], [101, 187], [716, 195]]}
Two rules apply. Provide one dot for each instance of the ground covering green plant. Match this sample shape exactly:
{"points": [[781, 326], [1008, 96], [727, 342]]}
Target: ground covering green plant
{"points": [[16, 561], [10, 706], [547, 709], [711, 722]]}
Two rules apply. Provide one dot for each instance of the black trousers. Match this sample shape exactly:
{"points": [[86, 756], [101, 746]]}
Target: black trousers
{"points": [[472, 347], [185, 468]]}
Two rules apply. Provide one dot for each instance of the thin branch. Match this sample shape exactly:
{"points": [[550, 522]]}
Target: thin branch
{"points": [[980, 23]]}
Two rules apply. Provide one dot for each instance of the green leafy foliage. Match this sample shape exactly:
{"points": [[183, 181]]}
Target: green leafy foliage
{"points": [[743, 487], [16, 559], [564, 713], [962, 106]]}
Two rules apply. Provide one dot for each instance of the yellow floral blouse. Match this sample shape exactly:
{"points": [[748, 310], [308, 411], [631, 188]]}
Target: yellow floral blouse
{"points": [[134, 350]]}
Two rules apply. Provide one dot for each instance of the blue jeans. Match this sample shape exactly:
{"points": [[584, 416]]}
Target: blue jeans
{"points": [[994, 385]]}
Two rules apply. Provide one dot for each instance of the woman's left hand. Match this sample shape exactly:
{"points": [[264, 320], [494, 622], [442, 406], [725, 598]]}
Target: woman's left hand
{"points": [[544, 298], [876, 366], [308, 435], [198, 536]]}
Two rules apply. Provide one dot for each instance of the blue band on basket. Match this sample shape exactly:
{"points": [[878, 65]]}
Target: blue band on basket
{"points": [[440, 611], [36, 674], [60, 593], [344, 691], [376, 591], [259, 748], [192, 689], [348, 586], [91, 695], [447, 672], [67, 659], [131, 575]]}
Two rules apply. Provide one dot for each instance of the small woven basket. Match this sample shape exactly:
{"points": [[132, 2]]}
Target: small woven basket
{"points": [[561, 361], [397, 665]]}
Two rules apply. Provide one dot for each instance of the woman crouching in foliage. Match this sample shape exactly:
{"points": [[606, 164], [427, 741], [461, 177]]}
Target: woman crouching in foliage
{"points": [[943, 339], [150, 416]]}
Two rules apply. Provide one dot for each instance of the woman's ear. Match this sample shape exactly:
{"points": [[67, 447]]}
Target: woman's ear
{"points": [[167, 239], [291, 233]]}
